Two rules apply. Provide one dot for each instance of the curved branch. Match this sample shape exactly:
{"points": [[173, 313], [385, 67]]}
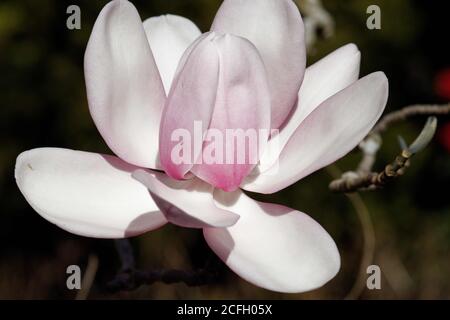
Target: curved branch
{"points": [[368, 235], [407, 112]]}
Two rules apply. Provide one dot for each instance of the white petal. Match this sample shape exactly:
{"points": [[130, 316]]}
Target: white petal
{"points": [[125, 92], [331, 131], [85, 193], [275, 27], [187, 203], [169, 36], [323, 79], [273, 246]]}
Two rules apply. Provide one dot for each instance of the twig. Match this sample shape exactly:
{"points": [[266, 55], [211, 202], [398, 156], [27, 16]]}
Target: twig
{"points": [[369, 147], [363, 178], [407, 112], [88, 279], [368, 251], [129, 278], [372, 180], [125, 251], [368, 235], [395, 272]]}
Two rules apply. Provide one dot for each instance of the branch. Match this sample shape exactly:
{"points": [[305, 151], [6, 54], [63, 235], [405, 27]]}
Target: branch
{"points": [[125, 252], [129, 278], [135, 278], [407, 112], [364, 179], [368, 237], [351, 181], [89, 277]]}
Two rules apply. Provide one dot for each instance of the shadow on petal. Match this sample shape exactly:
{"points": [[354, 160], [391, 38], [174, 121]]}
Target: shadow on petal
{"points": [[135, 228]]}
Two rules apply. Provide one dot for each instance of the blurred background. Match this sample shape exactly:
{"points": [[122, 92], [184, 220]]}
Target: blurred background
{"points": [[404, 227]]}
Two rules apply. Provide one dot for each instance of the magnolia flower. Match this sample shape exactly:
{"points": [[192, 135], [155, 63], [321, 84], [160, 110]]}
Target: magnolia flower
{"points": [[145, 80]]}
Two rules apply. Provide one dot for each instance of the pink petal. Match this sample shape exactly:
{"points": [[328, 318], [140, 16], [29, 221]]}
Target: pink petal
{"points": [[190, 100], [124, 88], [85, 193], [242, 107], [275, 27], [220, 84], [331, 131], [272, 246], [169, 36], [187, 203]]}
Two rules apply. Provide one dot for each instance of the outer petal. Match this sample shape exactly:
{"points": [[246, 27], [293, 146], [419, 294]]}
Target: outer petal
{"points": [[187, 203], [323, 79], [191, 100], [124, 88], [169, 36], [86, 193], [275, 27], [241, 115], [274, 247], [331, 131]]}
